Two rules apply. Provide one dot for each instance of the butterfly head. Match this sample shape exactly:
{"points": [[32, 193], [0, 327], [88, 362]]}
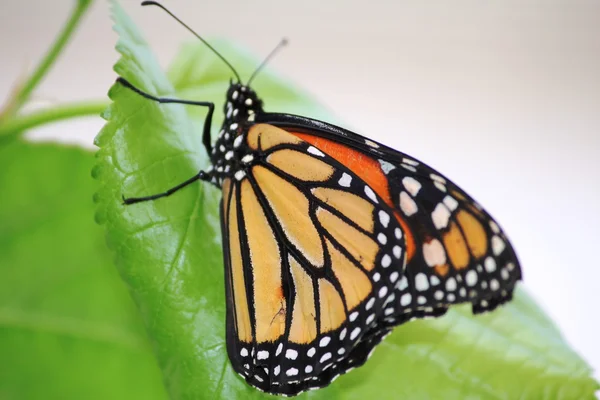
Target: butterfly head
{"points": [[242, 103]]}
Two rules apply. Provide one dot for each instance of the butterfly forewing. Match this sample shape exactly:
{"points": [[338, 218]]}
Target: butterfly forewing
{"points": [[312, 254]]}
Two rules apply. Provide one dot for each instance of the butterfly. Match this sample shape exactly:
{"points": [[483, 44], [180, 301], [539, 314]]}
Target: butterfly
{"points": [[331, 239]]}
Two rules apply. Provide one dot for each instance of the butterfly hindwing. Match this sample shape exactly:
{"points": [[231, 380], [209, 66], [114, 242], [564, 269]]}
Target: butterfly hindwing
{"points": [[461, 253], [312, 255]]}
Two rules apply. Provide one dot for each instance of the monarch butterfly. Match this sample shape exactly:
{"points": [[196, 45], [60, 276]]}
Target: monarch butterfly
{"points": [[331, 240]]}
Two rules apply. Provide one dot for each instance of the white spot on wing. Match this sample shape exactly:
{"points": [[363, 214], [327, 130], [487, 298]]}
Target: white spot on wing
{"points": [[434, 253], [370, 194], [409, 161], [398, 233], [345, 180], [239, 175], [437, 178], [494, 284], [397, 250], [441, 187], [384, 218], [497, 245], [371, 143], [421, 282], [407, 204], [450, 202], [489, 264], [495, 227], [471, 278], [368, 306], [386, 167], [386, 261], [440, 216], [405, 299], [325, 357], [402, 283], [354, 333], [291, 354], [412, 185], [238, 141], [313, 150], [247, 159], [451, 284]]}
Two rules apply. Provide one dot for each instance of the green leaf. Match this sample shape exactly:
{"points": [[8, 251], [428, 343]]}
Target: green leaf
{"points": [[169, 253], [68, 327]]}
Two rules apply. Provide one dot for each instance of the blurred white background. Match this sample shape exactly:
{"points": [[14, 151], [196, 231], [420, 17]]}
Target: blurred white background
{"points": [[503, 97]]}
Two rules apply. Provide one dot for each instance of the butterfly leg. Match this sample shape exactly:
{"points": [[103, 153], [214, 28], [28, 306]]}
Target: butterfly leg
{"points": [[132, 200], [207, 124]]}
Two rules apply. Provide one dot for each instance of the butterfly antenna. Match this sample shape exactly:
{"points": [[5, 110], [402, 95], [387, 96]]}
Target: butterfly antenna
{"points": [[154, 3], [267, 58]]}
